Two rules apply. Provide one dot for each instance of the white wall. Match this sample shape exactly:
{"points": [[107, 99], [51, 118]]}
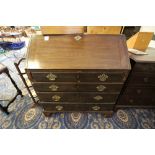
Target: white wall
{"points": [[148, 29]]}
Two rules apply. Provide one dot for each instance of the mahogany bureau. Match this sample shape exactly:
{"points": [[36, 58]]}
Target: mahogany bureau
{"points": [[78, 72], [139, 88]]}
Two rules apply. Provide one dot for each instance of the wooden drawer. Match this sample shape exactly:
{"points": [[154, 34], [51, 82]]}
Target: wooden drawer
{"points": [[140, 91], [77, 97], [78, 76], [144, 67], [103, 77], [50, 107], [54, 76], [98, 87], [55, 86], [141, 79], [72, 87], [137, 100]]}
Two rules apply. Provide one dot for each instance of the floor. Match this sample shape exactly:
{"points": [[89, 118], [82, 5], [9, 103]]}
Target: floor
{"points": [[23, 116]]}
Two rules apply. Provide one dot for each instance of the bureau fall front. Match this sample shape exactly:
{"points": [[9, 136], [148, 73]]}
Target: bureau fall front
{"points": [[78, 72]]}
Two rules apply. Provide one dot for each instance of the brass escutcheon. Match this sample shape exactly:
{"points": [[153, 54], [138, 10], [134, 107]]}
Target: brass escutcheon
{"points": [[98, 97], [103, 77], [77, 38], [100, 88], [96, 108], [56, 98], [53, 87], [51, 77], [59, 107]]}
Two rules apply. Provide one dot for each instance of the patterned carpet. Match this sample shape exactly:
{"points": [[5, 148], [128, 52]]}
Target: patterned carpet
{"points": [[23, 116]]}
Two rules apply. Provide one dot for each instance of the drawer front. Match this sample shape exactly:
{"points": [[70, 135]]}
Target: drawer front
{"points": [[144, 67], [141, 79], [98, 87], [77, 97], [54, 77], [72, 87], [137, 100], [76, 107], [78, 77], [54, 87], [103, 77], [140, 91]]}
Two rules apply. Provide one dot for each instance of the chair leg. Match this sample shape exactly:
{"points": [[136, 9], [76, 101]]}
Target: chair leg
{"points": [[19, 92], [13, 82], [4, 109], [24, 81]]}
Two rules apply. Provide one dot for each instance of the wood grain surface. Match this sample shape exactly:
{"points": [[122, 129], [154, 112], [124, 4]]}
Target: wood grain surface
{"points": [[51, 30], [89, 52], [104, 29]]}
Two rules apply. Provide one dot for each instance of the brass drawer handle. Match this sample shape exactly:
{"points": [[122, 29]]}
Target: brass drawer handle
{"points": [[56, 98], [51, 77], [103, 77], [98, 98], [100, 88], [59, 107], [53, 87], [96, 108]]}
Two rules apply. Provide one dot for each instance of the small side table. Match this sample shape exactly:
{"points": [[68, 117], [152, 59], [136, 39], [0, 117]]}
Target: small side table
{"points": [[4, 69]]}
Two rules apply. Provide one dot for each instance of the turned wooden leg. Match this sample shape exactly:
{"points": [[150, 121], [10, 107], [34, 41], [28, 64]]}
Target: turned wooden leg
{"points": [[35, 105], [115, 109], [108, 113]]}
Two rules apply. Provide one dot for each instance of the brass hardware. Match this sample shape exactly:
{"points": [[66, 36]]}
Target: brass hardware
{"points": [[51, 77], [98, 97], [96, 108], [100, 88], [53, 87], [56, 98], [103, 77], [59, 107], [77, 38]]}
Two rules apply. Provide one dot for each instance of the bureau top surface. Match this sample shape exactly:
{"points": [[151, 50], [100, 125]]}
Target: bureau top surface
{"points": [[78, 52]]}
